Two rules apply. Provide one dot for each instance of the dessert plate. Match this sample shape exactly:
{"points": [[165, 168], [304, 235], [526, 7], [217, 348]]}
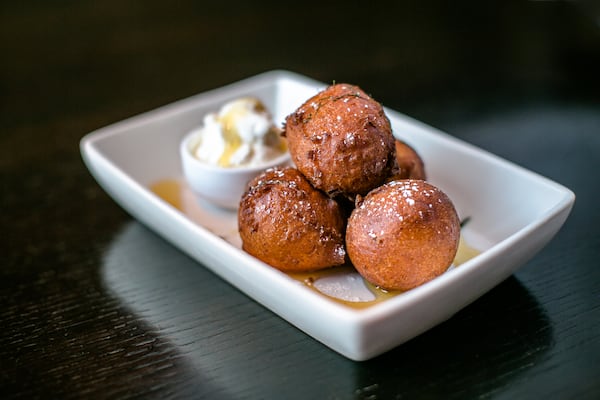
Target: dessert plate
{"points": [[512, 214]]}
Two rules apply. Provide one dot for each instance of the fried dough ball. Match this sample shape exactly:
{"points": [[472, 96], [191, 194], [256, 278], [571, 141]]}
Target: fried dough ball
{"points": [[341, 140], [290, 225], [403, 234], [408, 163]]}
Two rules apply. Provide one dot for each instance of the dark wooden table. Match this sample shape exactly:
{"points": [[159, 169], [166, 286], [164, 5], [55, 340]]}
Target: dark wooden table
{"points": [[94, 305]]}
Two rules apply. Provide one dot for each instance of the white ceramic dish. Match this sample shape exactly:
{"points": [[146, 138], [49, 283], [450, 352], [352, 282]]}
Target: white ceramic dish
{"points": [[513, 214]]}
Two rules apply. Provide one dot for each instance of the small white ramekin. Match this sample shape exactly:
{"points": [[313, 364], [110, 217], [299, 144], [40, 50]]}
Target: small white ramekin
{"points": [[220, 186]]}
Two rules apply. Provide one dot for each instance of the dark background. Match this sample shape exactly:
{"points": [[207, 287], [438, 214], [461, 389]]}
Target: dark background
{"points": [[94, 305]]}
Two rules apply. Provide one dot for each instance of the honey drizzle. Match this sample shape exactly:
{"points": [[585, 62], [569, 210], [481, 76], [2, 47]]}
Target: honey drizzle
{"points": [[170, 190]]}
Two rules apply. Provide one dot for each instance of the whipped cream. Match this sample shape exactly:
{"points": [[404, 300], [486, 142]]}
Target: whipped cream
{"points": [[241, 133]]}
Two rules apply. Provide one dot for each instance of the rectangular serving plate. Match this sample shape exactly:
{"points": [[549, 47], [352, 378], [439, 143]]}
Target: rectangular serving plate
{"points": [[513, 214]]}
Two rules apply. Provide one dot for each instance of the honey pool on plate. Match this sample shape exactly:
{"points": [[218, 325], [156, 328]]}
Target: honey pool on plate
{"points": [[342, 284]]}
